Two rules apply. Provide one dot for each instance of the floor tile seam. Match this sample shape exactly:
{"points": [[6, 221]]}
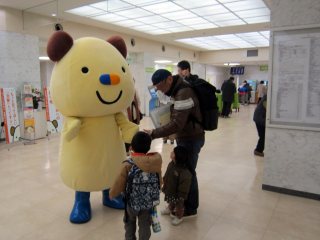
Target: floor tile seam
{"points": [[272, 215]]}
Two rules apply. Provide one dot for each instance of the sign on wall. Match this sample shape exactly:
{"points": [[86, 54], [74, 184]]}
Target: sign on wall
{"points": [[54, 117], [10, 114]]}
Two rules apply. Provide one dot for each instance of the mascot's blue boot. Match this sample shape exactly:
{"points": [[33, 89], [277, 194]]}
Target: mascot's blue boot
{"points": [[114, 203], [81, 212]]}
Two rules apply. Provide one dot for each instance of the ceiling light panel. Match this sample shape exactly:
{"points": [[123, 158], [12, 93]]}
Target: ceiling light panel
{"points": [[152, 19], [109, 17], [253, 13], [129, 23], [191, 21], [195, 4], [169, 24], [209, 10], [203, 26], [143, 2], [145, 28], [221, 17], [112, 5], [134, 13], [230, 23], [164, 7], [85, 11], [245, 5], [179, 15], [257, 19]]}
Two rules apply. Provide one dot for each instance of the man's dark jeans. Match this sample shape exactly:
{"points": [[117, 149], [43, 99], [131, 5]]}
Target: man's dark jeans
{"points": [[194, 147], [261, 132]]}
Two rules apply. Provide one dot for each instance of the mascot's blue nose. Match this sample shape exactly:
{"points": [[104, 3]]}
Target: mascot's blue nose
{"points": [[109, 79]]}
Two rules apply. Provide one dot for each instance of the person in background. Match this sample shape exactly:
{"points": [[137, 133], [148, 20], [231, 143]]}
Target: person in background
{"points": [[176, 184], [228, 90], [248, 90], [262, 90], [184, 71], [259, 117], [189, 134]]}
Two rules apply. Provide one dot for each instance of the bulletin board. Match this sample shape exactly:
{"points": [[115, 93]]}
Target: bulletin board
{"points": [[295, 79]]}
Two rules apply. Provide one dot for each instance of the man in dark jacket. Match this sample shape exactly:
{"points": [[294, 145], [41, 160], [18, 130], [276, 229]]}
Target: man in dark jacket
{"points": [[189, 133], [228, 90], [259, 117]]}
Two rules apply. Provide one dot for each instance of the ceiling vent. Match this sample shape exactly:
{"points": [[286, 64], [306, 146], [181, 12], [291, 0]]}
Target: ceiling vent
{"points": [[252, 53]]}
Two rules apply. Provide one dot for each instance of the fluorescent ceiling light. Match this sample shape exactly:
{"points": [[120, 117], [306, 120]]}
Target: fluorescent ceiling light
{"points": [[180, 29], [245, 5], [167, 24], [195, 4], [221, 17], [164, 7], [192, 21], [129, 23], [253, 13], [210, 10], [134, 13], [111, 6], [145, 28], [203, 26], [53, 14], [109, 17], [163, 61], [44, 58], [179, 15], [152, 19], [230, 23], [143, 2], [257, 19], [85, 11]]}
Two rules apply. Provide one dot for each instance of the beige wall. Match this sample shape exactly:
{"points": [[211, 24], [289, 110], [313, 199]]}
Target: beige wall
{"points": [[238, 55]]}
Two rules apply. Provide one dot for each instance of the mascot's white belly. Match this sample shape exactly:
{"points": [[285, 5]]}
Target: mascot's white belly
{"points": [[92, 160]]}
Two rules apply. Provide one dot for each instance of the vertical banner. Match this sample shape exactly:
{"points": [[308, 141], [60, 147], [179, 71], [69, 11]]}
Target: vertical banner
{"points": [[10, 114], [54, 118], [28, 115]]}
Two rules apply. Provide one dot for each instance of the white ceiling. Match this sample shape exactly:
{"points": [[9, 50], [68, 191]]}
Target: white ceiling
{"points": [[195, 24]]}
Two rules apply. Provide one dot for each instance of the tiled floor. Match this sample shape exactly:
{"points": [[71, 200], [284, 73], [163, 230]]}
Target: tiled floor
{"points": [[35, 205]]}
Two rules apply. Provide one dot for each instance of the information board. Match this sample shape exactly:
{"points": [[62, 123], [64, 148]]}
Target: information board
{"points": [[295, 85]]}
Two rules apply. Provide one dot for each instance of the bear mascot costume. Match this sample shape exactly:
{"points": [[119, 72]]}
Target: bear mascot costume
{"points": [[91, 84]]}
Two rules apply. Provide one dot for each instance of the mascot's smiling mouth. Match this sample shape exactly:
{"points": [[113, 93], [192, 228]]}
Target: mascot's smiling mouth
{"points": [[106, 102]]}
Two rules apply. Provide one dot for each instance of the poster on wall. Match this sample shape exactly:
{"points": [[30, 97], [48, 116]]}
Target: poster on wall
{"points": [[54, 117], [10, 114]]}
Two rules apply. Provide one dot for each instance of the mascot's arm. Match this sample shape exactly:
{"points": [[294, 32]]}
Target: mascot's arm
{"points": [[127, 128], [71, 127]]}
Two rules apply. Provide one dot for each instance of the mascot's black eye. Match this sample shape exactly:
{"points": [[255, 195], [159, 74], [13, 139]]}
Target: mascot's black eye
{"points": [[85, 70], [123, 69]]}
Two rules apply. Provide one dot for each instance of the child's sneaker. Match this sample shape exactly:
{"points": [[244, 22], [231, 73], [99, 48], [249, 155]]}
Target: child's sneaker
{"points": [[176, 221], [165, 211]]}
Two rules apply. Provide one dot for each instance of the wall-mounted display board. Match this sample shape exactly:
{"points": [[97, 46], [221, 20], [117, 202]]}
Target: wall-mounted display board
{"points": [[295, 79]]}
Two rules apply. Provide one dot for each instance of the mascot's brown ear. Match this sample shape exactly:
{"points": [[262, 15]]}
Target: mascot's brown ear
{"points": [[58, 45], [119, 44]]}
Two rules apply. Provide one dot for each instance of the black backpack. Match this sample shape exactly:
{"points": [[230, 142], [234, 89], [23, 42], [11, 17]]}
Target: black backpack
{"points": [[208, 102]]}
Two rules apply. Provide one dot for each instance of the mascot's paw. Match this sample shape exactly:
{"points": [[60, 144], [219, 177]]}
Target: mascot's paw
{"points": [[114, 203], [81, 212]]}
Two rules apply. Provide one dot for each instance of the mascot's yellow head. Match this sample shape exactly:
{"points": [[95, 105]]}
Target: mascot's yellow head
{"points": [[91, 77]]}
